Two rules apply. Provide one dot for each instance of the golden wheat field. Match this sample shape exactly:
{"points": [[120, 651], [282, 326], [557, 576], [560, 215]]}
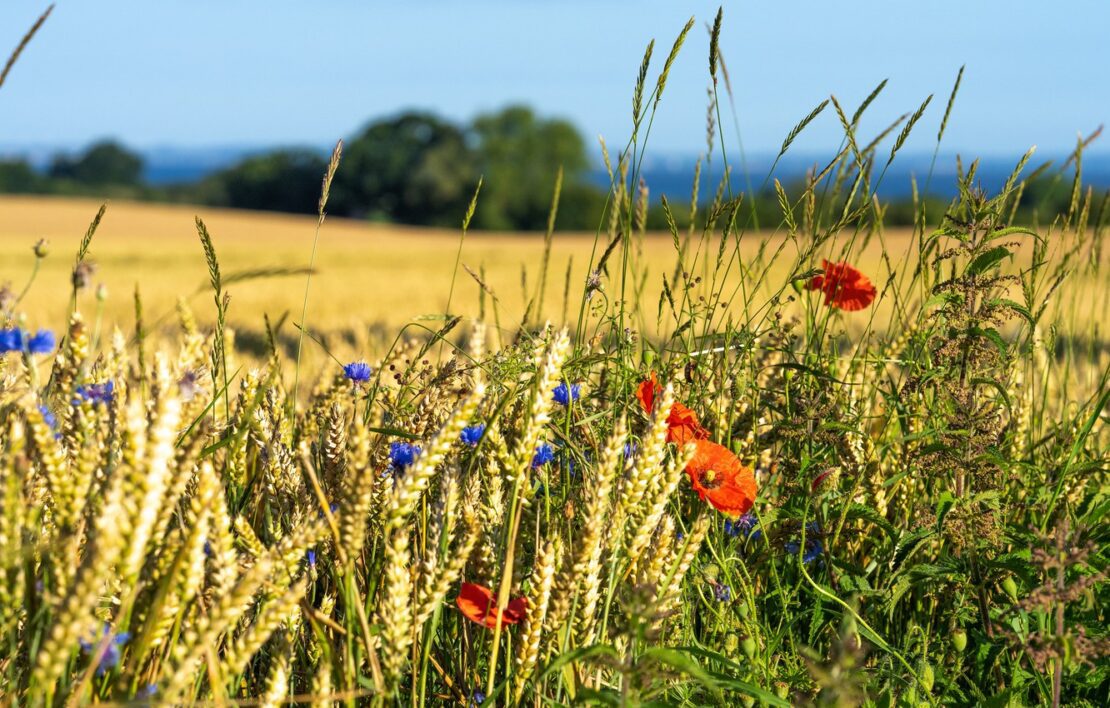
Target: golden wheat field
{"points": [[372, 274]]}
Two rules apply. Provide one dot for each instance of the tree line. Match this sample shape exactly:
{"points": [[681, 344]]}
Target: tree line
{"points": [[411, 168], [418, 168]]}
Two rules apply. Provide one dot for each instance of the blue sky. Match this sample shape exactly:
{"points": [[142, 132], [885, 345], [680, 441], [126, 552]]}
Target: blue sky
{"points": [[233, 72]]}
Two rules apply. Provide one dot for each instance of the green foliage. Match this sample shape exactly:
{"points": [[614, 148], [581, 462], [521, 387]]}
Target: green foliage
{"points": [[414, 168], [276, 181], [18, 177], [519, 155], [103, 163]]}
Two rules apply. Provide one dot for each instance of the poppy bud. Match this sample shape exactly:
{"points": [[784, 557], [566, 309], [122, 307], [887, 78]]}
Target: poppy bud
{"points": [[798, 285], [748, 645], [959, 640], [742, 609], [42, 248], [782, 690], [1010, 587], [747, 700]]}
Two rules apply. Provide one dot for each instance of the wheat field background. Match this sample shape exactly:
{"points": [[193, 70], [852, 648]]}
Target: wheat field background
{"points": [[371, 279]]}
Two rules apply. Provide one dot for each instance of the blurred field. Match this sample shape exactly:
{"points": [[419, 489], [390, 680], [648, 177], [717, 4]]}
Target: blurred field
{"points": [[366, 275]]}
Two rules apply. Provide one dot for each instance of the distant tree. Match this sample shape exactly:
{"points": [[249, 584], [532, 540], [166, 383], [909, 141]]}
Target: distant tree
{"points": [[104, 163], [18, 177], [413, 168], [285, 180], [519, 157]]}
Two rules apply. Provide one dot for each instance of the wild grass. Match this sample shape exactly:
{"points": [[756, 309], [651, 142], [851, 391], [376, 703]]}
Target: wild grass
{"points": [[179, 526]]}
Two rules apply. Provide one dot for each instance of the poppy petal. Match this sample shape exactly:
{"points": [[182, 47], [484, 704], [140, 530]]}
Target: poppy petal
{"points": [[844, 287], [647, 391], [477, 604], [720, 479]]}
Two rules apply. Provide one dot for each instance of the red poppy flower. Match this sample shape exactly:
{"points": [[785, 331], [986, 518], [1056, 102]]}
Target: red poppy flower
{"points": [[720, 479], [647, 391], [682, 423], [845, 287], [683, 426], [478, 604]]}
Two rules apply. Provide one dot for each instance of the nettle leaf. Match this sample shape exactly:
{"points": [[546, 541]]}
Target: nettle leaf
{"points": [[988, 259], [1011, 231], [860, 511], [993, 335], [907, 545], [944, 504], [997, 387], [1016, 307], [948, 298]]}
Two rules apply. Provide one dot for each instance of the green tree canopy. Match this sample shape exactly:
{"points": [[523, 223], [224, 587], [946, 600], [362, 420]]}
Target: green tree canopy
{"points": [[18, 177], [285, 180], [413, 168], [103, 163], [519, 156]]}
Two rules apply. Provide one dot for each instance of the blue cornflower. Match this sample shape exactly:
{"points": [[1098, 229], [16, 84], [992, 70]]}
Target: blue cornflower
{"points": [[722, 592], [49, 418], [564, 394], [472, 434], [813, 549], [42, 342], [148, 691], [544, 454], [403, 454], [11, 340], [357, 371], [630, 449], [478, 697], [110, 659], [96, 393], [742, 526], [310, 556]]}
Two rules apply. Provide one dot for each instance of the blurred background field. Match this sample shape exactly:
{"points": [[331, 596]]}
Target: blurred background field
{"points": [[371, 279]]}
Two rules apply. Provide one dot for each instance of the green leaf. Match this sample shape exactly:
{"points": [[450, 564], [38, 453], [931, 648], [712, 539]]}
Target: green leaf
{"points": [[997, 387], [992, 334], [583, 654], [1016, 307], [730, 683], [943, 299], [908, 544], [988, 259], [860, 511], [681, 662]]}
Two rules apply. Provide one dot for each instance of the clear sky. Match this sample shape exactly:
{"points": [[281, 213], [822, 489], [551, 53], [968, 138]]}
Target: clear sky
{"points": [[260, 72]]}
